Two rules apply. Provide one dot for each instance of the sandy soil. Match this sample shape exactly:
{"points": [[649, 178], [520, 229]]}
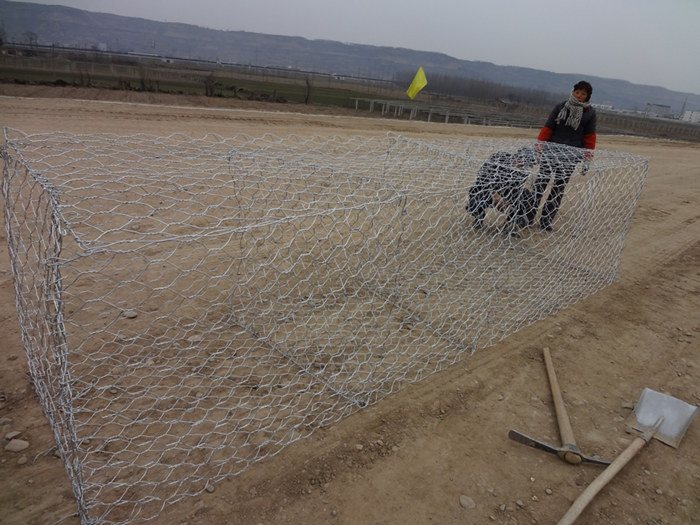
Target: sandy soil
{"points": [[438, 451]]}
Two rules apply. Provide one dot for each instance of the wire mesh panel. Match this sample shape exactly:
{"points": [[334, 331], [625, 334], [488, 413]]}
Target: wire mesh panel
{"points": [[191, 306]]}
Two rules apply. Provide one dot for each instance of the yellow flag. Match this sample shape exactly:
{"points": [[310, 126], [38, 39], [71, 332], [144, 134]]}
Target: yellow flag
{"points": [[419, 82]]}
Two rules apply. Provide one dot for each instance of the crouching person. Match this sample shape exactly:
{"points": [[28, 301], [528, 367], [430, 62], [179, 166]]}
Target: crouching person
{"points": [[500, 183]]}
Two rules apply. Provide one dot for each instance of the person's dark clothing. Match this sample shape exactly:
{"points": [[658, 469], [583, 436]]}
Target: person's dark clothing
{"points": [[557, 163], [498, 174], [582, 137]]}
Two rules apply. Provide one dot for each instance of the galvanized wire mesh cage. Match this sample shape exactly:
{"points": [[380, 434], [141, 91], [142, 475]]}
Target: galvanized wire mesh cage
{"points": [[191, 306]]}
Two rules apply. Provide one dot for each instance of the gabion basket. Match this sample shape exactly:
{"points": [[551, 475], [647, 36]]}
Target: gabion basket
{"points": [[189, 307]]}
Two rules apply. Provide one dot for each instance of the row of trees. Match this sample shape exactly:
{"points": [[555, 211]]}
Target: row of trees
{"points": [[482, 90], [28, 37]]}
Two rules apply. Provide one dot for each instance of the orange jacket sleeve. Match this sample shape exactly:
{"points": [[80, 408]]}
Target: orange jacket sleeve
{"points": [[545, 133], [589, 141]]}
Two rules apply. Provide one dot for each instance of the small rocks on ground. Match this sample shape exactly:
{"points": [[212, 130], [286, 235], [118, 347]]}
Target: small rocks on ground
{"points": [[467, 502], [12, 435], [17, 445]]}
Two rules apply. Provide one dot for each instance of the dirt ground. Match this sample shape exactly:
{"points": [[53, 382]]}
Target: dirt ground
{"points": [[437, 452]]}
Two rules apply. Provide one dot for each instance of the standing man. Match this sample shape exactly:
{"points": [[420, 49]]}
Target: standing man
{"points": [[567, 138]]}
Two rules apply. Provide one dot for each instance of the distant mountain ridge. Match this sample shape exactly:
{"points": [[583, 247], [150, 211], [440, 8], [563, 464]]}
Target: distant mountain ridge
{"points": [[79, 28]]}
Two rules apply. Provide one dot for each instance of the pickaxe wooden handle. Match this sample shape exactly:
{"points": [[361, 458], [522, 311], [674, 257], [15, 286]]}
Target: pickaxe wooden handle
{"points": [[570, 452]]}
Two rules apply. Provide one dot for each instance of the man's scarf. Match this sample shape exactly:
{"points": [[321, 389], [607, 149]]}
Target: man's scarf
{"points": [[572, 111]]}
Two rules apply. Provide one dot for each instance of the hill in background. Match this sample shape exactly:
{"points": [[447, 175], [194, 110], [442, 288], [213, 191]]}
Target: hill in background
{"points": [[22, 22]]}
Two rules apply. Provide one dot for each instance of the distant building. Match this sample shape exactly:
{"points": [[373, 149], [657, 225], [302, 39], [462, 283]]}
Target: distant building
{"points": [[657, 110], [691, 116]]}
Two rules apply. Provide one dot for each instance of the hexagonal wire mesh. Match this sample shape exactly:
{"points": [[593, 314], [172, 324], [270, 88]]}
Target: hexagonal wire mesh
{"points": [[191, 306]]}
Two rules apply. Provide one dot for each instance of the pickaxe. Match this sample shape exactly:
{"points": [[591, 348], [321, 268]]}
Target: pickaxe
{"points": [[568, 451]]}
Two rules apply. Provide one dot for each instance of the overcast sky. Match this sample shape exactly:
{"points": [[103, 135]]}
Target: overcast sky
{"points": [[655, 42]]}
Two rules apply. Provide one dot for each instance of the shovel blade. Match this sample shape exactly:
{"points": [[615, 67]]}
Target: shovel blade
{"points": [[677, 416]]}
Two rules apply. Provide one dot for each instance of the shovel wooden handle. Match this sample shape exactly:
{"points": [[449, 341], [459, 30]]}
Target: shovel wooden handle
{"points": [[603, 478], [565, 430]]}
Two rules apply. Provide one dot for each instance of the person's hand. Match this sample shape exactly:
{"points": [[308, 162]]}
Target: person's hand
{"points": [[585, 167], [539, 147], [498, 202], [587, 160]]}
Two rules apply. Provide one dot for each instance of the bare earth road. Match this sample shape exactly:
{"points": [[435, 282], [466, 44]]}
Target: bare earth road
{"points": [[411, 457]]}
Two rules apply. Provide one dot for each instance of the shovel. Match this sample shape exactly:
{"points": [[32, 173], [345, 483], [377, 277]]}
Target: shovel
{"points": [[658, 416]]}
